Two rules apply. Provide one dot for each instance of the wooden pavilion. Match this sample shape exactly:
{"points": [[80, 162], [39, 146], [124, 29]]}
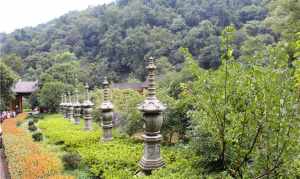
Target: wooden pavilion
{"points": [[21, 89]]}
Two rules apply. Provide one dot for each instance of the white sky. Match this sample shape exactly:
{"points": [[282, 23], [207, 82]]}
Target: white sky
{"points": [[15, 14]]}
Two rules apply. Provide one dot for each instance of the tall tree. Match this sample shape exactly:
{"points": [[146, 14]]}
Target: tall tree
{"points": [[7, 78]]}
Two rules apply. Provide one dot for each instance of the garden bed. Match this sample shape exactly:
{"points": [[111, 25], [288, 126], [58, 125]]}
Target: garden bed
{"points": [[115, 159]]}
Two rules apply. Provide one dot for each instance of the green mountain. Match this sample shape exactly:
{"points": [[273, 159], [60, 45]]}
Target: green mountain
{"points": [[115, 39]]}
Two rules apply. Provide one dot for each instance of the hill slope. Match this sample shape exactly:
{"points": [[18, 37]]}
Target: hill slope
{"points": [[115, 39]]}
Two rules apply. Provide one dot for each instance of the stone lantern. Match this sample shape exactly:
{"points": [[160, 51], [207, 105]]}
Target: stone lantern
{"points": [[152, 110], [87, 110], [107, 113], [77, 108], [70, 108]]}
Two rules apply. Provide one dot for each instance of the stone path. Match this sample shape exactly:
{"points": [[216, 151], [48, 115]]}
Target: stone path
{"points": [[3, 174]]}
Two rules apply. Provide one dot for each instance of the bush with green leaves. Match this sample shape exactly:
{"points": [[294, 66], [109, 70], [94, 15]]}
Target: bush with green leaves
{"points": [[50, 94], [32, 128], [38, 136], [30, 122], [71, 160], [245, 119]]}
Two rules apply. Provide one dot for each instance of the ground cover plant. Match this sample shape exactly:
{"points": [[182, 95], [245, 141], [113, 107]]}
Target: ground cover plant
{"points": [[115, 159], [26, 159]]}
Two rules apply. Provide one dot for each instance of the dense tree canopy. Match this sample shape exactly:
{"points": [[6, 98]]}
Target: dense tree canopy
{"points": [[116, 38], [7, 78]]}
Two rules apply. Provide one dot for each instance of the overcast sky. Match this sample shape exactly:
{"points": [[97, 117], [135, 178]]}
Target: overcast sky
{"points": [[16, 14]]}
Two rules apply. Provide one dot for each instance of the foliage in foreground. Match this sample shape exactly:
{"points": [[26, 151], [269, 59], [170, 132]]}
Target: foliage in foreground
{"points": [[245, 118], [115, 159], [27, 159], [7, 78]]}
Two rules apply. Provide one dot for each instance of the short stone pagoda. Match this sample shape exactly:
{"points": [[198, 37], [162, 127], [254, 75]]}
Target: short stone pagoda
{"points": [[77, 108], [87, 110], [107, 113], [70, 108], [152, 110]]}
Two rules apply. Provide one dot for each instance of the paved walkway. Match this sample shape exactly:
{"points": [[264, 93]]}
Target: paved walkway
{"points": [[2, 166]]}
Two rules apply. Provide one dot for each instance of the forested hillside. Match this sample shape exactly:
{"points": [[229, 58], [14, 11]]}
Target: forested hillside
{"points": [[115, 39]]}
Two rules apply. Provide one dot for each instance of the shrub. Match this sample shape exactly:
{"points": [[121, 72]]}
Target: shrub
{"points": [[32, 128], [30, 123], [36, 120], [71, 160], [38, 136]]}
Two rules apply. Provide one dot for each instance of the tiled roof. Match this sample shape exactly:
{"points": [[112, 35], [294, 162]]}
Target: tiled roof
{"points": [[130, 85], [25, 87]]}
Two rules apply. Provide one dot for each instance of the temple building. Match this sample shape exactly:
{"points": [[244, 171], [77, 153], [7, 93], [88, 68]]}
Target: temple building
{"points": [[22, 89]]}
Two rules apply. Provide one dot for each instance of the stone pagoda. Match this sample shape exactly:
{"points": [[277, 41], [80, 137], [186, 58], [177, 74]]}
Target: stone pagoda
{"points": [[87, 110], [107, 113], [152, 110]]}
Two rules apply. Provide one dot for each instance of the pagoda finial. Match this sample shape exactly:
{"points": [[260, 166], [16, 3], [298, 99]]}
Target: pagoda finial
{"points": [[151, 67], [87, 95], [105, 90]]}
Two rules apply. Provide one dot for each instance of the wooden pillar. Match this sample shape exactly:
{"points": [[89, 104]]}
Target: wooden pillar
{"points": [[21, 103]]}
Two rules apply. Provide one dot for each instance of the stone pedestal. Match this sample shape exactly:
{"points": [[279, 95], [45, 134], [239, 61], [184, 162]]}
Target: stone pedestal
{"points": [[151, 159]]}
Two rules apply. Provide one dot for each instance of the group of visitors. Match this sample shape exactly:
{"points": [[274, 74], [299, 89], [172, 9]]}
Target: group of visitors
{"points": [[6, 115]]}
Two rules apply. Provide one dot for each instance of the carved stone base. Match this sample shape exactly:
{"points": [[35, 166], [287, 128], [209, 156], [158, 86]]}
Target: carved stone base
{"points": [[151, 159], [107, 132], [87, 125]]}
